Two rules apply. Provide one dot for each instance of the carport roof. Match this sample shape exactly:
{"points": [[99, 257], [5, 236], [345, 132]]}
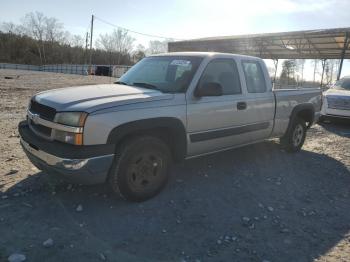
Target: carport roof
{"points": [[310, 44]]}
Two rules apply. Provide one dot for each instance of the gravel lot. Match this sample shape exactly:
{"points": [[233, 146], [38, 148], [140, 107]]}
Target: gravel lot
{"points": [[256, 203]]}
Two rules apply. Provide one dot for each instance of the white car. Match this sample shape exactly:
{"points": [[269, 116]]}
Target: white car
{"points": [[336, 100]]}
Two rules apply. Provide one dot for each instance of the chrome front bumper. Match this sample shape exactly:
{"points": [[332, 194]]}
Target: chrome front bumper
{"points": [[92, 170], [51, 160], [78, 164]]}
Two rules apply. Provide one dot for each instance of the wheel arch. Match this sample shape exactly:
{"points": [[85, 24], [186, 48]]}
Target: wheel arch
{"points": [[171, 130], [305, 111]]}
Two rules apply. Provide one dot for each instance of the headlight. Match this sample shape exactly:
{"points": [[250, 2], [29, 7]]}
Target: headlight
{"points": [[75, 119], [71, 118]]}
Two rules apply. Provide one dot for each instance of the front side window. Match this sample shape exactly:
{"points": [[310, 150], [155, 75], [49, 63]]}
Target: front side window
{"points": [[224, 72], [254, 77], [168, 74]]}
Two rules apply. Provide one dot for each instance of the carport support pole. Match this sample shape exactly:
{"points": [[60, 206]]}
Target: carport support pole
{"points": [[346, 43], [323, 61], [275, 61]]}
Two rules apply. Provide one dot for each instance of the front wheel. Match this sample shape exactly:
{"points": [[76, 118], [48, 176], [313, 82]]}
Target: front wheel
{"points": [[140, 169], [321, 120], [294, 139]]}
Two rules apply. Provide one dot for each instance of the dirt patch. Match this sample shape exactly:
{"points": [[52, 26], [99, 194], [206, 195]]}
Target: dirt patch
{"points": [[251, 204]]}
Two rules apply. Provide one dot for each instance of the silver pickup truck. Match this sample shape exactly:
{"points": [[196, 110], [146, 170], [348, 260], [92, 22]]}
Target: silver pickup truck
{"points": [[166, 108]]}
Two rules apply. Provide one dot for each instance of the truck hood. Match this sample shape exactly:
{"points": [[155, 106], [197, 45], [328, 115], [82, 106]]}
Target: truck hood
{"points": [[337, 92], [96, 97]]}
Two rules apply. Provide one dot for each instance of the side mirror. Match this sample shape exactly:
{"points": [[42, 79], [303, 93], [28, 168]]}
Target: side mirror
{"points": [[208, 89]]}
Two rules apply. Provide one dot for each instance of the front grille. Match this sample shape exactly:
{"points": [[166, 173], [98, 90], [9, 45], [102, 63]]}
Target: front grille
{"points": [[341, 103], [43, 130], [43, 111]]}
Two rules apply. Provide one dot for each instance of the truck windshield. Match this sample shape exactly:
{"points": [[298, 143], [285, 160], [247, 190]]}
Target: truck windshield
{"points": [[168, 74], [343, 84]]}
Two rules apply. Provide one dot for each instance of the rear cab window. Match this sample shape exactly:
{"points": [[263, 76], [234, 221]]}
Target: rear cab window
{"points": [[254, 76]]}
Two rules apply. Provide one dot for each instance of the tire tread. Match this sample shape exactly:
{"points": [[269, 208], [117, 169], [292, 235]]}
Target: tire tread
{"points": [[120, 153]]}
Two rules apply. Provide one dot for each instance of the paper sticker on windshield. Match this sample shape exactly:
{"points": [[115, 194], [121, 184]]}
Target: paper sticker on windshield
{"points": [[180, 62]]}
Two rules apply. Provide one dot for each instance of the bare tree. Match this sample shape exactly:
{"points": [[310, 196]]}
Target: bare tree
{"points": [[118, 41], [288, 72], [124, 42], [34, 25], [105, 42], [330, 71], [40, 39], [77, 40], [9, 27], [139, 53], [156, 46], [315, 64], [48, 32], [53, 30], [334, 69]]}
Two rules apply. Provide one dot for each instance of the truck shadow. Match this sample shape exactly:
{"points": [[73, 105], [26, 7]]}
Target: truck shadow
{"points": [[248, 204]]}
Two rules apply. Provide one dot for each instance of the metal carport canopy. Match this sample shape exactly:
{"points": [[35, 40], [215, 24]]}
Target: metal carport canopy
{"points": [[310, 44]]}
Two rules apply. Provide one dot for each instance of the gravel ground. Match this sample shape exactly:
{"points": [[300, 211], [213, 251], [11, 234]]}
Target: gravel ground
{"points": [[256, 203]]}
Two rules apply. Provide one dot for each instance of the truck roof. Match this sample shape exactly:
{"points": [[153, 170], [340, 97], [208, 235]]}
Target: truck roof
{"points": [[206, 54]]}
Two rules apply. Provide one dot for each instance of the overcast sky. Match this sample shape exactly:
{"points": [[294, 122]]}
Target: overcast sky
{"points": [[184, 19]]}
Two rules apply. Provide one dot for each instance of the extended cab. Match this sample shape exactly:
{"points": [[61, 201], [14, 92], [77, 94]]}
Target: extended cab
{"points": [[166, 108]]}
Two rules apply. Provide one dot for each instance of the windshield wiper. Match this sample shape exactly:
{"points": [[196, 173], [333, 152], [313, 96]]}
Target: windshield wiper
{"points": [[121, 83], [146, 85]]}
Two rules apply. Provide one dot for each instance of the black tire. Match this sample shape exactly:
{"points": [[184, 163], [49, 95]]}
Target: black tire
{"points": [[140, 169], [323, 120], [294, 139]]}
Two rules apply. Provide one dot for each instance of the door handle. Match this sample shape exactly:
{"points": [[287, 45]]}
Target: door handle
{"points": [[241, 105]]}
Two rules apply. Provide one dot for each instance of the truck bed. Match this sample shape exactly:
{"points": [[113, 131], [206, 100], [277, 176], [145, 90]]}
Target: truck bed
{"points": [[287, 99]]}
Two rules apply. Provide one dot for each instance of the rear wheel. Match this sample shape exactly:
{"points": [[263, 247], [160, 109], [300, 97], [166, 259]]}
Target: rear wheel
{"points": [[140, 169], [294, 139]]}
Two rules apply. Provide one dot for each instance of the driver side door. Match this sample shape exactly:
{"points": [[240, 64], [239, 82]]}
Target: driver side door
{"points": [[211, 120]]}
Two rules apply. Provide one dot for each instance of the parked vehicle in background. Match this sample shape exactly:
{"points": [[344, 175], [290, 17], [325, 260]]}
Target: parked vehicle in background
{"points": [[336, 100], [166, 108], [103, 70], [109, 70]]}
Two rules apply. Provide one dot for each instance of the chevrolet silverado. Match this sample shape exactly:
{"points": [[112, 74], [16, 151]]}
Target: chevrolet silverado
{"points": [[166, 108]]}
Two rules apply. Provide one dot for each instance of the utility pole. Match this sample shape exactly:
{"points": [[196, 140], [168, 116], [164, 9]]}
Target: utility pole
{"points": [[91, 33], [86, 48]]}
